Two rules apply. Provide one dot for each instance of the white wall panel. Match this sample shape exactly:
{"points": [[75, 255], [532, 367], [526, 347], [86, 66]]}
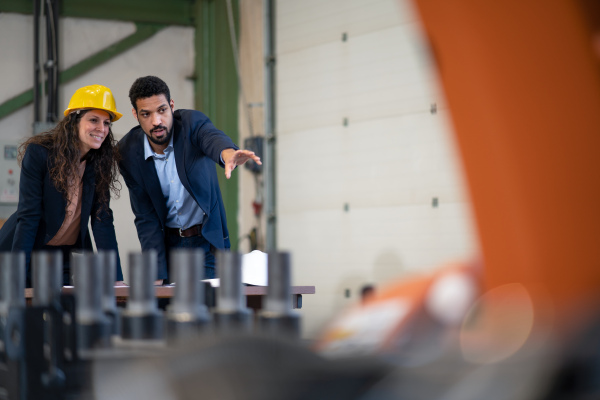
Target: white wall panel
{"points": [[83, 37], [376, 75], [302, 24], [16, 49], [384, 162], [16, 126], [360, 155]]}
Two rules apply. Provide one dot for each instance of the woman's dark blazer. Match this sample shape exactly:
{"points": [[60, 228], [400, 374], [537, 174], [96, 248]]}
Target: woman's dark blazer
{"points": [[41, 211]]}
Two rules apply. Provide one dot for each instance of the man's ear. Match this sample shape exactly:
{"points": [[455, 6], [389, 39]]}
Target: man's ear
{"points": [[172, 104], [134, 113]]}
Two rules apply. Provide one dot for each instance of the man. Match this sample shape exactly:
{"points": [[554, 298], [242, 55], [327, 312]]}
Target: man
{"points": [[167, 162]]}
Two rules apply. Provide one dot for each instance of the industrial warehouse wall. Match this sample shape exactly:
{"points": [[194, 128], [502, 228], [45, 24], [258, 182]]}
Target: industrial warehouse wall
{"points": [[169, 54], [251, 121], [363, 146], [369, 187]]}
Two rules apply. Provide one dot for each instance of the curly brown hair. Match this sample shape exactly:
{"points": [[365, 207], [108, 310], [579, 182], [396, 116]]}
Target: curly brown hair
{"points": [[63, 144]]}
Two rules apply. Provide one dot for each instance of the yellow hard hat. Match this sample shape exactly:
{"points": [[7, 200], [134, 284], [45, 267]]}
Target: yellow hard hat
{"points": [[94, 96]]}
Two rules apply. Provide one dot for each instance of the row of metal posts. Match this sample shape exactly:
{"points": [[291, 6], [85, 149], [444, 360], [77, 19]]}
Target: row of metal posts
{"points": [[45, 347]]}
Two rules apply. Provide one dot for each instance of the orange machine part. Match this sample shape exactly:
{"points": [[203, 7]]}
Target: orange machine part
{"points": [[523, 85]]}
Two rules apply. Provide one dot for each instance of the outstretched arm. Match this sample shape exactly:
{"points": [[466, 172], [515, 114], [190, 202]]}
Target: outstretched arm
{"points": [[232, 158]]}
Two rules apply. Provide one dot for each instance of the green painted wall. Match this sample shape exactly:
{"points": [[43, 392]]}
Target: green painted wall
{"points": [[173, 12], [217, 89]]}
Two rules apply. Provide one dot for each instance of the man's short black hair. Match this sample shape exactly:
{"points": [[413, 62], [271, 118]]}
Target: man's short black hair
{"points": [[148, 86]]}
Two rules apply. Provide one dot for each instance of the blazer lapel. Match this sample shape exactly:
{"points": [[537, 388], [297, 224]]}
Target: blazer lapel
{"points": [[87, 197], [179, 145], [178, 148], [147, 171]]}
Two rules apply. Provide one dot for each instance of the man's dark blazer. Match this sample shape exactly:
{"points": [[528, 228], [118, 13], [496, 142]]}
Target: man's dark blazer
{"points": [[197, 147], [41, 211]]}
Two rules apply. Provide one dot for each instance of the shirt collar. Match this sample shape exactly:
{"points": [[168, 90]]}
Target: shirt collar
{"points": [[149, 152]]}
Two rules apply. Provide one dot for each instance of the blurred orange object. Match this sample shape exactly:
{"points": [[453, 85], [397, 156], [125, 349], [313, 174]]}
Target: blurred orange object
{"points": [[411, 307], [522, 81]]}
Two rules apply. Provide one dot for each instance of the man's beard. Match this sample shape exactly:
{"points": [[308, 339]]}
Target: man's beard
{"points": [[165, 139]]}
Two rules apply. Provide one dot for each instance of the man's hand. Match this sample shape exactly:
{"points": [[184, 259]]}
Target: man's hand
{"points": [[232, 158], [120, 283], [158, 282]]}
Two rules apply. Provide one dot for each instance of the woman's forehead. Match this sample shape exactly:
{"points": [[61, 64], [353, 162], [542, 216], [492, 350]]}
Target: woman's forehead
{"points": [[99, 113]]}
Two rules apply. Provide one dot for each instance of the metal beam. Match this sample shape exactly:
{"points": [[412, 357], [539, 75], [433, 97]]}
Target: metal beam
{"points": [[143, 32], [16, 6], [270, 123], [216, 89], [176, 12], [205, 65], [13, 104]]}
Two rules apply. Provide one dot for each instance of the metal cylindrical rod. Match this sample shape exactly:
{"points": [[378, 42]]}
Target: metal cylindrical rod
{"points": [[47, 277], [279, 294], [87, 272], [12, 281], [142, 273], [36, 61], [231, 316], [141, 320], [187, 315], [52, 27], [108, 262], [270, 180], [277, 317], [93, 327], [187, 268], [230, 297]]}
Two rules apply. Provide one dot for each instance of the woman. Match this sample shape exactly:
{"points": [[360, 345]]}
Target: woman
{"points": [[67, 175]]}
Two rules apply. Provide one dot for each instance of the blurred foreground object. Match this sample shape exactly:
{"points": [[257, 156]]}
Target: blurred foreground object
{"points": [[66, 346], [522, 81]]}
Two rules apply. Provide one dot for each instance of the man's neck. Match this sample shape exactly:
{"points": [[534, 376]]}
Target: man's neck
{"points": [[158, 148]]}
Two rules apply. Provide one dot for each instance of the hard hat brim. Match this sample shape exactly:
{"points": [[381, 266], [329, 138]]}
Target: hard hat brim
{"points": [[115, 115]]}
